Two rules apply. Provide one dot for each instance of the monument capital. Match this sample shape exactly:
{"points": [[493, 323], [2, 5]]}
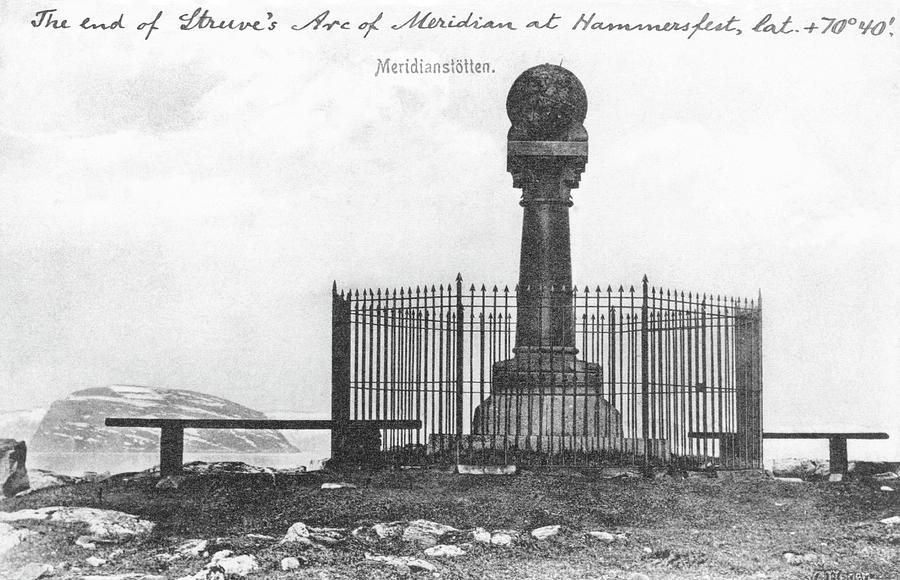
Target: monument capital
{"points": [[547, 144]]}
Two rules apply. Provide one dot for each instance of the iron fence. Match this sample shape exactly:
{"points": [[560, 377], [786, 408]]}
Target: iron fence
{"points": [[655, 375]]}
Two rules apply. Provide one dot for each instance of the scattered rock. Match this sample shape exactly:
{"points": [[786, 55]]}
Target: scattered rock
{"points": [[33, 571], [444, 550], [885, 476], [605, 537], [42, 479], [613, 472], [300, 533], [104, 525], [835, 477], [486, 469], [501, 539], [193, 547], [170, 482], [800, 468], [893, 520], [403, 562], [10, 537], [85, 542], [95, 561], [295, 533], [544, 532], [886, 488], [389, 530], [788, 479], [425, 532], [338, 485], [291, 563], [233, 565], [126, 576], [480, 535], [795, 559], [13, 474], [94, 477]]}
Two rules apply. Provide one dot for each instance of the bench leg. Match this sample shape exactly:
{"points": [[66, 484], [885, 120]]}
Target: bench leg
{"points": [[837, 454], [171, 450]]}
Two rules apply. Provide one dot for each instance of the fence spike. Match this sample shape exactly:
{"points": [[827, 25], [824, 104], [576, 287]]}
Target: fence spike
{"points": [[401, 292], [506, 289], [379, 293], [334, 288], [631, 290], [609, 289], [459, 276], [495, 289], [433, 289], [472, 288], [621, 289], [645, 280], [598, 290]]}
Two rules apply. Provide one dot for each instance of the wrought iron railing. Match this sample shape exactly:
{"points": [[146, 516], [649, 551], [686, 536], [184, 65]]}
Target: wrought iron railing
{"points": [[667, 364]]}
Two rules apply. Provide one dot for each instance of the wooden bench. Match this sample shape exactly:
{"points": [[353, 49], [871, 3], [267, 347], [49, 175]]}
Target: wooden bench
{"points": [[171, 440], [837, 442]]}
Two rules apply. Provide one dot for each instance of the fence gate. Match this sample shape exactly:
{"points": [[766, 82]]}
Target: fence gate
{"points": [[677, 375]]}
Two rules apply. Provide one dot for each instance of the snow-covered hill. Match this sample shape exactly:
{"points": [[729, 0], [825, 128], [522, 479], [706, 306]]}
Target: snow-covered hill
{"points": [[76, 422]]}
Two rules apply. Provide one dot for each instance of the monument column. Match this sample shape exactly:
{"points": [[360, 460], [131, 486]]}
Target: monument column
{"points": [[545, 390]]}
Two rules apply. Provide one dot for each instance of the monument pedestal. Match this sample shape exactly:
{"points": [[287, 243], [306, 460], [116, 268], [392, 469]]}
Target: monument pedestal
{"points": [[546, 391]]}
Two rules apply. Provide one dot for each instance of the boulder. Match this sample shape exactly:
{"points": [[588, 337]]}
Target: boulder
{"points": [[13, 474], [389, 529], [10, 537], [802, 468], [104, 525], [604, 537], [501, 539], [290, 563], [444, 551], [33, 571], [481, 535], [425, 532], [403, 562], [544, 532], [338, 485], [42, 479]]}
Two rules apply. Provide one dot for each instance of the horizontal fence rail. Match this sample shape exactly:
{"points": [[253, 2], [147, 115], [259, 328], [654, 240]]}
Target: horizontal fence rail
{"points": [[649, 367]]}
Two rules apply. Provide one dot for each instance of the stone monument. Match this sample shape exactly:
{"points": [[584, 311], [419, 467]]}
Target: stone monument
{"points": [[545, 390]]}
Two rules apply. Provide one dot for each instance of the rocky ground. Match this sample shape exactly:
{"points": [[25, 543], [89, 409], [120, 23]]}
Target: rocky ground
{"points": [[437, 524]]}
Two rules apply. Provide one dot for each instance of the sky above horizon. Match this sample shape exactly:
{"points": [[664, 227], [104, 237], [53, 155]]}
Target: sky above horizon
{"points": [[173, 211]]}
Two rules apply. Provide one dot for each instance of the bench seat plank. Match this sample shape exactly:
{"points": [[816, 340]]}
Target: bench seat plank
{"points": [[171, 437], [837, 442]]}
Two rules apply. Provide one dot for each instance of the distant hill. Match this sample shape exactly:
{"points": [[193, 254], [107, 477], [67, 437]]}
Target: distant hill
{"points": [[75, 424]]}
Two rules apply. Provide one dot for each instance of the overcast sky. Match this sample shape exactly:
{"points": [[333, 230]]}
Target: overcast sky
{"points": [[173, 211]]}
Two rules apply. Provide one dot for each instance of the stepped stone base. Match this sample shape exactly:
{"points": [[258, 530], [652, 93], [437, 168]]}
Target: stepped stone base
{"points": [[550, 444], [547, 392]]}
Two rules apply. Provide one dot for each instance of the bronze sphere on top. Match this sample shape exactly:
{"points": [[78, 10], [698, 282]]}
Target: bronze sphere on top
{"points": [[547, 103]]}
